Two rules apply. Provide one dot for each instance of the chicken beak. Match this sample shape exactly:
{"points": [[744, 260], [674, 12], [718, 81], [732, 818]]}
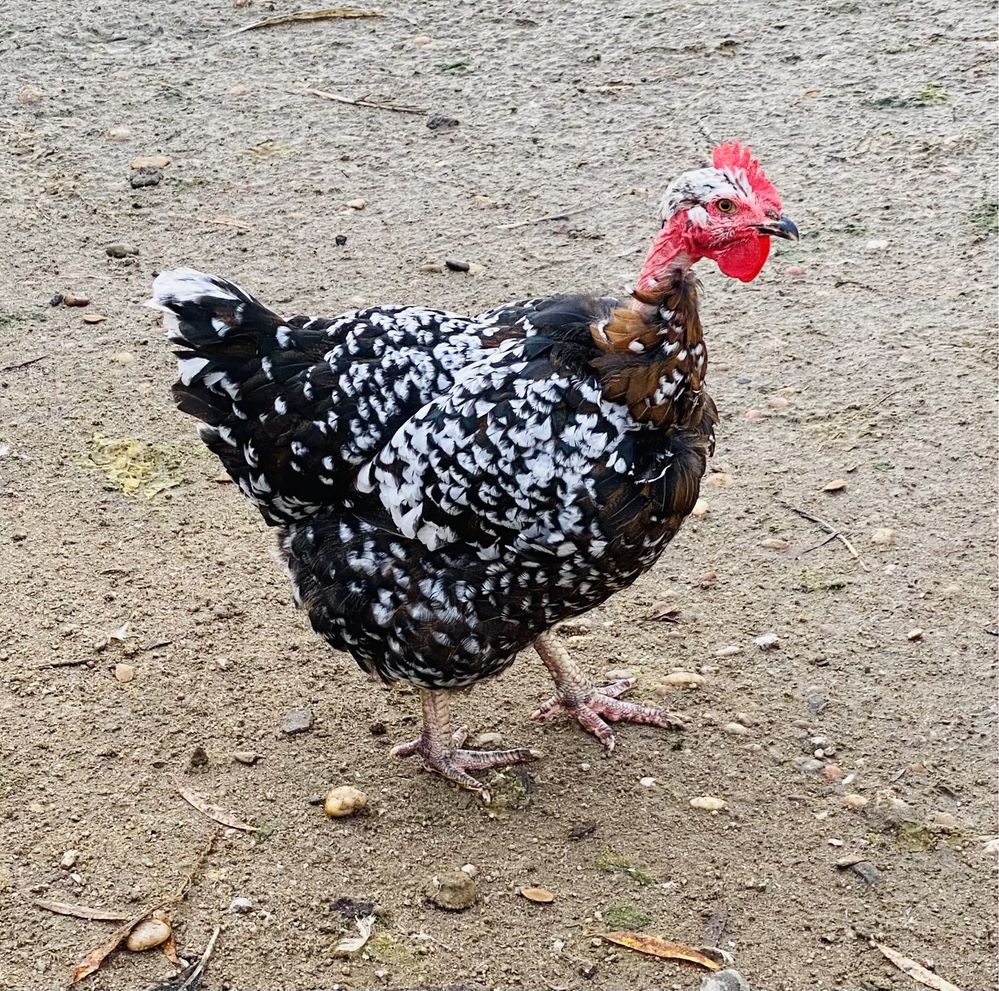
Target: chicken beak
{"points": [[785, 228]]}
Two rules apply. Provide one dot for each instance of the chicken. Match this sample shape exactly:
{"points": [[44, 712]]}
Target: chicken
{"points": [[448, 488]]}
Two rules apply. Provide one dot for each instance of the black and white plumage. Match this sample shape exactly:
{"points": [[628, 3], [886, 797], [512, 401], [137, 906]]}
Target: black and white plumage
{"points": [[447, 488]]}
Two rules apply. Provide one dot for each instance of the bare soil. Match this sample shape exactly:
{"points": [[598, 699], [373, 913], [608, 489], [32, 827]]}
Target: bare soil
{"points": [[868, 352]]}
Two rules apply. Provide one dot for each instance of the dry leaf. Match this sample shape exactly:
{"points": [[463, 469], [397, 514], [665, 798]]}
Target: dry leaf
{"points": [[916, 971], [97, 955], [324, 14], [541, 895], [169, 949], [662, 612], [94, 318], [353, 944], [81, 911], [212, 811], [836, 485], [661, 948]]}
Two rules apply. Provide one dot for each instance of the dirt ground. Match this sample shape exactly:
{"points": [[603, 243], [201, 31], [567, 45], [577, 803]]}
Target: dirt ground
{"points": [[866, 354]]}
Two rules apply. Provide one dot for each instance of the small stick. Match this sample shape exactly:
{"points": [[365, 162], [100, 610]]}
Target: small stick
{"points": [[561, 215], [399, 108], [23, 364], [75, 663], [224, 221], [821, 543], [829, 528], [196, 973], [326, 14]]}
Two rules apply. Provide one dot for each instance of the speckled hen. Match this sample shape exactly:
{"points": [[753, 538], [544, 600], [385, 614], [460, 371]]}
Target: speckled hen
{"points": [[448, 488]]}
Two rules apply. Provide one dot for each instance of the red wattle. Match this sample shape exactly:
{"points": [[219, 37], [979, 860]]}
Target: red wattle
{"points": [[744, 259]]}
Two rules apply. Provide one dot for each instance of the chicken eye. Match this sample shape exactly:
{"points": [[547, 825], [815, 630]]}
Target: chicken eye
{"points": [[725, 206]]}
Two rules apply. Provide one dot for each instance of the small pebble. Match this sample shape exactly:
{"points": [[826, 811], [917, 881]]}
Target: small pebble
{"points": [[358, 204], [246, 756], [94, 318], [239, 90], [316, 799], [943, 822], [71, 299], [149, 933], [56, 300], [767, 641], [775, 543], [432, 268], [836, 485], [701, 509], [147, 176], [453, 892], [69, 859], [456, 265], [708, 803], [721, 480], [647, 782], [118, 133], [119, 250], [735, 729], [794, 270], [778, 403], [541, 895], [489, 739], [915, 634], [883, 536], [687, 679], [344, 801], [150, 162], [240, 906], [876, 244], [340, 240], [124, 673], [752, 414], [441, 122], [484, 202], [854, 801], [620, 674], [729, 651], [867, 872], [28, 96], [199, 758], [830, 772], [470, 869], [297, 721]]}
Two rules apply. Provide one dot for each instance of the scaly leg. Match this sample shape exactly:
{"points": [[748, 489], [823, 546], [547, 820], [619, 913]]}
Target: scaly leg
{"points": [[575, 695], [440, 749]]}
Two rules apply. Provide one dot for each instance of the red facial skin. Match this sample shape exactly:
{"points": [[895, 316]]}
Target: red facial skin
{"points": [[731, 240]]}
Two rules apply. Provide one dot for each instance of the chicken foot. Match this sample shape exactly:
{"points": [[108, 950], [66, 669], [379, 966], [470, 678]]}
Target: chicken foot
{"points": [[440, 749], [593, 708]]}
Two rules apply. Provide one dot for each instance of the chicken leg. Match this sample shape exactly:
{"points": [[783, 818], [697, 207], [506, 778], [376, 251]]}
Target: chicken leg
{"points": [[591, 707], [440, 749]]}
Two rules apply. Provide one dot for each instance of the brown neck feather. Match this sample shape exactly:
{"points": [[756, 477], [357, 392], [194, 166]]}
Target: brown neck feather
{"points": [[659, 383]]}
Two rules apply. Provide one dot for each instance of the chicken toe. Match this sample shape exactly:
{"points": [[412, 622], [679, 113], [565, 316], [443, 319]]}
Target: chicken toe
{"points": [[593, 708], [440, 750]]}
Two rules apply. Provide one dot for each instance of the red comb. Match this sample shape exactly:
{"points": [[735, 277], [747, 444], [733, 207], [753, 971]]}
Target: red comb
{"points": [[733, 157]]}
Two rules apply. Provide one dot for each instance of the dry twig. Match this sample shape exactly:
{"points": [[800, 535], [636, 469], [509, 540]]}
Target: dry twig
{"points": [[829, 528], [195, 974], [323, 14], [23, 364], [561, 215], [399, 108]]}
